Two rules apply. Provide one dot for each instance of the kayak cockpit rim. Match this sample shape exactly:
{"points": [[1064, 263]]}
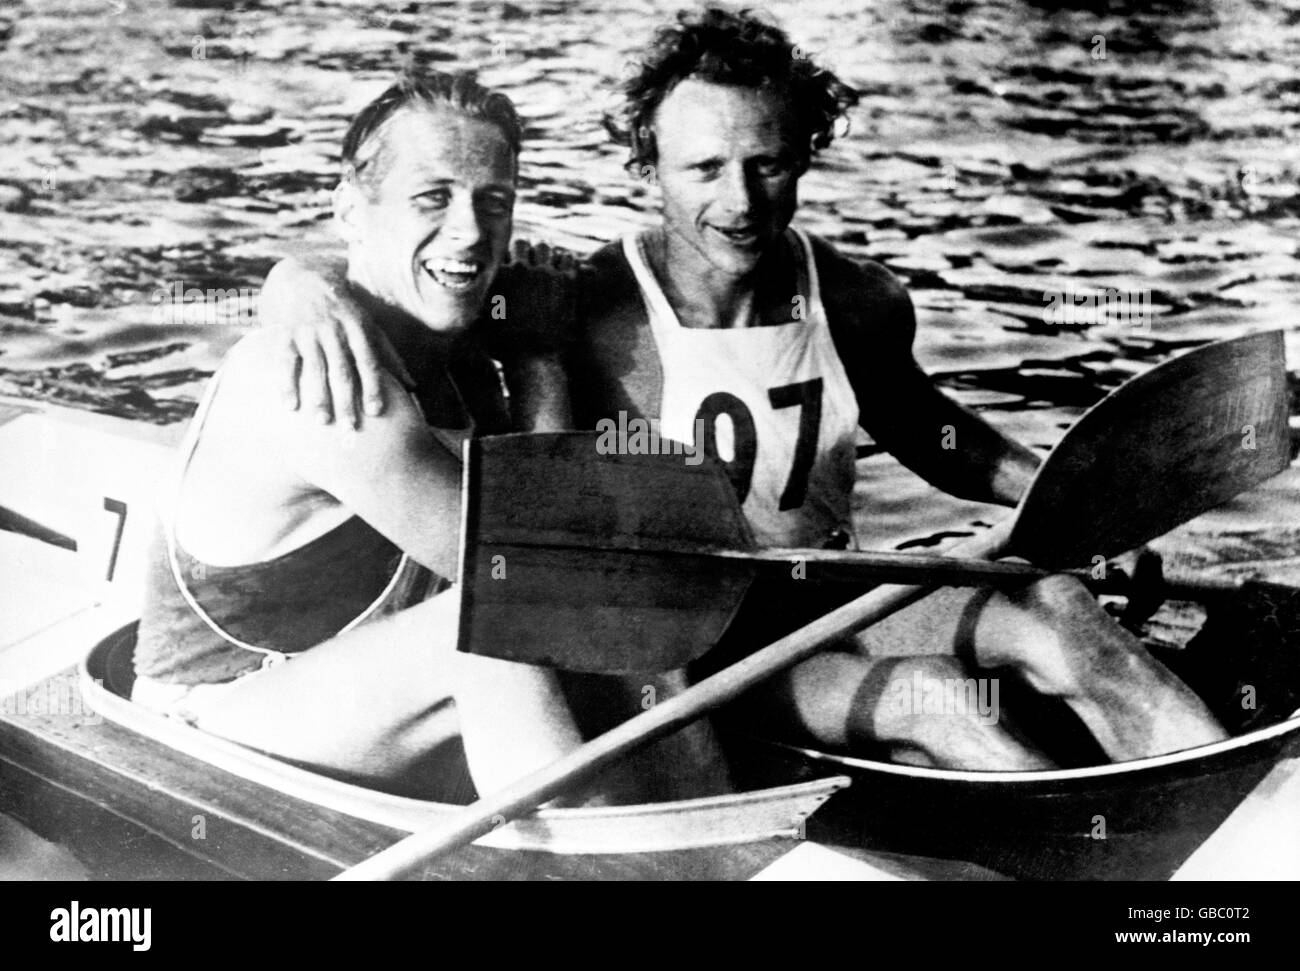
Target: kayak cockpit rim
{"points": [[683, 824], [1019, 778]]}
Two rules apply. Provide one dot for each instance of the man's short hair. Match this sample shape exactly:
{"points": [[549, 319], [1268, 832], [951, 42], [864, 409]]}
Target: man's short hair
{"points": [[364, 142], [735, 48]]}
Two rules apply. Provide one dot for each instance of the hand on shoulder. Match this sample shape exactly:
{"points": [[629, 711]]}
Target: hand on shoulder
{"points": [[251, 379], [331, 353], [532, 304]]}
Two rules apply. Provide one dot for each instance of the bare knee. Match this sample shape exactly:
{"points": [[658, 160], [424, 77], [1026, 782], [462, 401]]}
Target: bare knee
{"points": [[1055, 597], [933, 712], [1052, 632]]}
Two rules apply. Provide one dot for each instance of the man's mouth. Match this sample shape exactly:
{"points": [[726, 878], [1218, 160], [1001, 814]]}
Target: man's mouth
{"points": [[455, 275], [746, 235]]}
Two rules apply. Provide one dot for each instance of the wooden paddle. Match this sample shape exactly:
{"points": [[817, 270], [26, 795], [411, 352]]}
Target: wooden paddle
{"points": [[615, 564], [630, 563], [650, 581], [1188, 455]]}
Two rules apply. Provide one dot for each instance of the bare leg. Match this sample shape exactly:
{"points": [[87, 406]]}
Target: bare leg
{"points": [[373, 702], [690, 761], [685, 764], [905, 704], [1057, 636], [376, 702], [506, 745]]}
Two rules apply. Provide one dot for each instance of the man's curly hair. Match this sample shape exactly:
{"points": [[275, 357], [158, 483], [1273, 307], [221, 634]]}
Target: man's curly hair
{"points": [[735, 48]]}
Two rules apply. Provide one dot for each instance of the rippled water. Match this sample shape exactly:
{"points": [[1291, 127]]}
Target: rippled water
{"points": [[997, 154]]}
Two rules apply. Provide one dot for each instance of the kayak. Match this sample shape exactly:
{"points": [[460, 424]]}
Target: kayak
{"points": [[75, 507]]}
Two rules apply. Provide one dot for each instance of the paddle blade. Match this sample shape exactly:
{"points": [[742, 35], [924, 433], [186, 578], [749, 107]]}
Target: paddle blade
{"points": [[1166, 446], [535, 589]]}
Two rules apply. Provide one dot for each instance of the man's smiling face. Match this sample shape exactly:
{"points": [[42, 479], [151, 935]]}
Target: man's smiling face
{"points": [[729, 170], [430, 225]]}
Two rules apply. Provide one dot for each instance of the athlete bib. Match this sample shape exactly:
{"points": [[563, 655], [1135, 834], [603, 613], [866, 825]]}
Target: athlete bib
{"points": [[773, 403]]}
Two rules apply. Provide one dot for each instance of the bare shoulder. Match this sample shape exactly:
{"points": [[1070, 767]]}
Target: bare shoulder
{"points": [[607, 265], [250, 394], [249, 375], [864, 300], [241, 439]]}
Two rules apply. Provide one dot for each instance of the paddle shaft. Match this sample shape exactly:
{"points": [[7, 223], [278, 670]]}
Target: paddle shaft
{"points": [[814, 565], [934, 569], [872, 567], [865, 567]]}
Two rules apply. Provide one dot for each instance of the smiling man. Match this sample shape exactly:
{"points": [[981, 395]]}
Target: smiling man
{"points": [[295, 600], [726, 319]]}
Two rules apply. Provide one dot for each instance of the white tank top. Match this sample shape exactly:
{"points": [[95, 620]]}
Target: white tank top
{"points": [[773, 402]]}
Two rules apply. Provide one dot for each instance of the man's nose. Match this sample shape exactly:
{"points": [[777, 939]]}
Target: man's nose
{"points": [[462, 224], [736, 191]]}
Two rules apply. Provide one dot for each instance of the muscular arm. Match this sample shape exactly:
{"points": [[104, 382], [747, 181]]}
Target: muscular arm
{"points": [[948, 445]]}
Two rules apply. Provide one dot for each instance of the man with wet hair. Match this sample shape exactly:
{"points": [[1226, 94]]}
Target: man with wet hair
{"points": [[783, 348], [299, 595]]}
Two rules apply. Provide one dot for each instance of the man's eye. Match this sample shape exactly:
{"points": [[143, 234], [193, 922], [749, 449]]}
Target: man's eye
{"points": [[768, 168], [436, 199]]}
